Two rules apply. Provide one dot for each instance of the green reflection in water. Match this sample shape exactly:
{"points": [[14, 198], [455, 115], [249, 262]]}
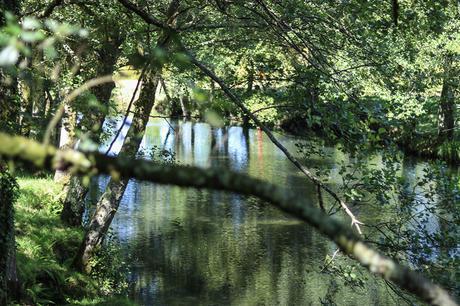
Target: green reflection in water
{"points": [[201, 247]]}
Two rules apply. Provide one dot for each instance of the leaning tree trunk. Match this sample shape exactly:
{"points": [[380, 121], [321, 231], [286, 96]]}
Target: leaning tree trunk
{"points": [[9, 283], [446, 119], [75, 191], [110, 200]]}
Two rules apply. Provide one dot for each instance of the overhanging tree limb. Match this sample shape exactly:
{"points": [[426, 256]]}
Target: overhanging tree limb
{"points": [[146, 17], [235, 99], [41, 156]]}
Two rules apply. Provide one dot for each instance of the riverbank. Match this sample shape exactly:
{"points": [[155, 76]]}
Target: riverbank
{"points": [[45, 249]]}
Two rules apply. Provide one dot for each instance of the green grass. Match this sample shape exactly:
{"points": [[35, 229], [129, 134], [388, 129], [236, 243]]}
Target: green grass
{"points": [[45, 249]]}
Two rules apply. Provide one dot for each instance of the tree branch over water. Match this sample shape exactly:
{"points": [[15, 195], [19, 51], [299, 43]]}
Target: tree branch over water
{"points": [[236, 100], [41, 156]]}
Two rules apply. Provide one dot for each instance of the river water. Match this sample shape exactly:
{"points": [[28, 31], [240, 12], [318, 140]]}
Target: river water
{"points": [[200, 247]]}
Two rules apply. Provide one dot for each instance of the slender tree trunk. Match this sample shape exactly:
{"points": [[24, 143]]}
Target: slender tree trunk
{"points": [[163, 84], [184, 101], [110, 200], [172, 102], [8, 103], [67, 139], [213, 91], [183, 106], [446, 118], [37, 96]]}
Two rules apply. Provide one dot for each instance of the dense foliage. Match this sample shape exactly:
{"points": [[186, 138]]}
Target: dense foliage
{"points": [[372, 78]]}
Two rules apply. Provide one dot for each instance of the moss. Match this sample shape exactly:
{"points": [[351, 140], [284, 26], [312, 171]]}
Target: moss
{"points": [[45, 249]]}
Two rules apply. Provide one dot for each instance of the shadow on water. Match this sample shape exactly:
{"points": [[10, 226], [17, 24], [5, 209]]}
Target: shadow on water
{"points": [[203, 247]]}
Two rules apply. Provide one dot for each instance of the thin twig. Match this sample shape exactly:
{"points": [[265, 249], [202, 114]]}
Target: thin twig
{"points": [[128, 110], [69, 98]]}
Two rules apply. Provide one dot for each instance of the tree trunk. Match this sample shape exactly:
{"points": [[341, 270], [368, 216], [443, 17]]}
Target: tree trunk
{"points": [[75, 191], [110, 200], [74, 202], [37, 96], [9, 283], [446, 118], [9, 104], [67, 139], [250, 78], [183, 105]]}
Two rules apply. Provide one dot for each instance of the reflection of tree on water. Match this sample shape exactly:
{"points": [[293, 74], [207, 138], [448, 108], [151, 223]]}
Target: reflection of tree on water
{"points": [[207, 247], [260, 153]]}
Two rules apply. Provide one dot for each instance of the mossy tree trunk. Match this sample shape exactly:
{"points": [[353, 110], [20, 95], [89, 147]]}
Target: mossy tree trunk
{"points": [[9, 283], [75, 191], [67, 139], [108, 204], [33, 96]]}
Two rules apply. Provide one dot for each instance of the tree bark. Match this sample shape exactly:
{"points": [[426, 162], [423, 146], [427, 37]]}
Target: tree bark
{"points": [[9, 283], [67, 139], [446, 116]]}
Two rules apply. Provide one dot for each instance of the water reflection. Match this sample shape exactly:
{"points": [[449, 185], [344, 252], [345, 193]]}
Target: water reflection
{"points": [[203, 247]]}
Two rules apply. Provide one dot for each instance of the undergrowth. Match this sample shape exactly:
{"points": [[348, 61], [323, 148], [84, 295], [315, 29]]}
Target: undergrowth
{"points": [[45, 249]]}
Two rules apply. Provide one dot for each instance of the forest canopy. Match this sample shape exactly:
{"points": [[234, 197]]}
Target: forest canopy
{"points": [[370, 86]]}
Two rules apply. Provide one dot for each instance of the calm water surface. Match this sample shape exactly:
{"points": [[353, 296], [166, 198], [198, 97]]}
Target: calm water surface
{"points": [[203, 247]]}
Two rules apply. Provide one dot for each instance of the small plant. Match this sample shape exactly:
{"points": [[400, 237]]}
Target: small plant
{"points": [[109, 270]]}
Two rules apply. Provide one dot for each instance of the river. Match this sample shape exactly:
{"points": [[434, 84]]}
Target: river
{"points": [[199, 247]]}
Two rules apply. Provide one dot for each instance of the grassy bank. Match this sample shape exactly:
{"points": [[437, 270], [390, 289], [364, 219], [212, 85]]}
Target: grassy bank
{"points": [[45, 249]]}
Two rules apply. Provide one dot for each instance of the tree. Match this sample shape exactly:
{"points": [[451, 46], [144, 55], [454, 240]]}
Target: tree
{"points": [[110, 200], [9, 283]]}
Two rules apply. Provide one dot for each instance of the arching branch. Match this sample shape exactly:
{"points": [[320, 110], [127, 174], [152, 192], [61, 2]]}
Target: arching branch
{"points": [[41, 156]]}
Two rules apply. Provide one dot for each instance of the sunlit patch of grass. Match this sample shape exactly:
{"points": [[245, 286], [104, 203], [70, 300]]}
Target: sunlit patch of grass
{"points": [[127, 73], [45, 249]]}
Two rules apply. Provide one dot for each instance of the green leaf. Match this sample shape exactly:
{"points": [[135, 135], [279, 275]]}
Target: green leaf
{"points": [[9, 56], [30, 23], [32, 37]]}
